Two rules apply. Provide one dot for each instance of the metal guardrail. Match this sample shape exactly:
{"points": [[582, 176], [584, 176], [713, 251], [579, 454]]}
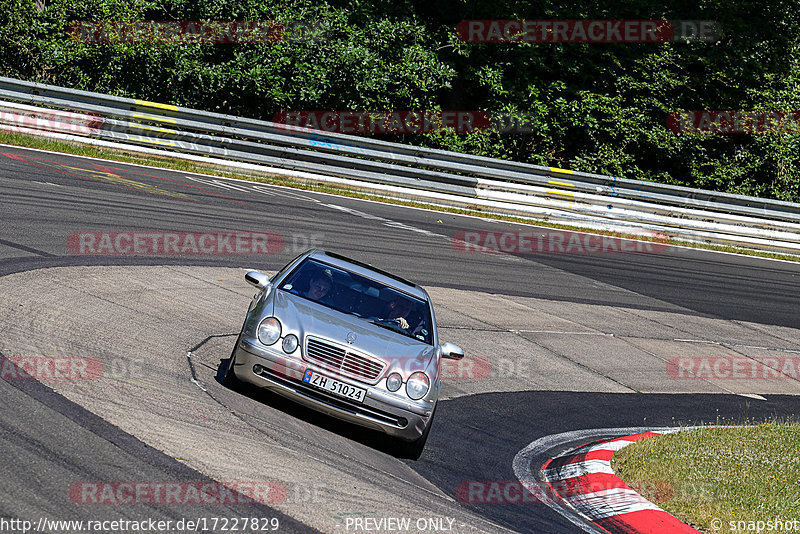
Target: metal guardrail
{"points": [[402, 170]]}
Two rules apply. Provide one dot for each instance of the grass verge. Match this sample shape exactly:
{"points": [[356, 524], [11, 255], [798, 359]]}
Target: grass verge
{"points": [[710, 477], [80, 149]]}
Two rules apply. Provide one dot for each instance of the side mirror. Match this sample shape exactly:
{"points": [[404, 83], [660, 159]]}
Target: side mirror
{"points": [[257, 279], [452, 352]]}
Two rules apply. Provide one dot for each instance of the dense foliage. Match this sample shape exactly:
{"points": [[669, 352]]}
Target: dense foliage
{"points": [[593, 107]]}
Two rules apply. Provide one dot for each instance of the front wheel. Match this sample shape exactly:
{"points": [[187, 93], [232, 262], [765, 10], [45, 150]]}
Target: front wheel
{"points": [[413, 449], [230, 380]]}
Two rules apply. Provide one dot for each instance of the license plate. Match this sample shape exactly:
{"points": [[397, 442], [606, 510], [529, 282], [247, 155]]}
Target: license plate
{"points": [[337, 387]]}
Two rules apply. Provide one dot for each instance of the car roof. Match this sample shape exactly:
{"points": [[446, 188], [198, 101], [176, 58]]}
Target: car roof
{"points": [[337, 260]]}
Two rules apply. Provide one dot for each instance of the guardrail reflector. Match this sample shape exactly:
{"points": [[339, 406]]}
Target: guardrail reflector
{"points": [[565, 193], [170, 107], [562, 171], [153, 118]]}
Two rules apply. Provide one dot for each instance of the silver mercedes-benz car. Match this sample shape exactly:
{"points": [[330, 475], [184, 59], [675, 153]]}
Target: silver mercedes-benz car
{"points": [[346, 339]]}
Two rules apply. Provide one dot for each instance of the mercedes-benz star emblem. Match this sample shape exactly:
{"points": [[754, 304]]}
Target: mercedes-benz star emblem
{"points": [[351, 337]]}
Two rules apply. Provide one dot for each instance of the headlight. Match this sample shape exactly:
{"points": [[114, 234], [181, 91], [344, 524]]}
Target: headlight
{"points": [[394, 381], [289, 343], [269, 331], [417, 385]]}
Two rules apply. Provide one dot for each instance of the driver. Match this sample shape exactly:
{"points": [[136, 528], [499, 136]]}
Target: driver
{"points": [[398, 311], [319, 286]]}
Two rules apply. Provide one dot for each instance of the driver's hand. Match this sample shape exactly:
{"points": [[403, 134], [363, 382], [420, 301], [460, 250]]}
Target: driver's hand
{"points": [[402, 322]]}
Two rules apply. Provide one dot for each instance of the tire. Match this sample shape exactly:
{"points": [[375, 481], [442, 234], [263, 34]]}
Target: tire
{"points": [[230, 380], [412, 450]]}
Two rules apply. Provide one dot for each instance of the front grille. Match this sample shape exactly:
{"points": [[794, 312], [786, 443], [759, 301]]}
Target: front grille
{"points": [[340, 359]]}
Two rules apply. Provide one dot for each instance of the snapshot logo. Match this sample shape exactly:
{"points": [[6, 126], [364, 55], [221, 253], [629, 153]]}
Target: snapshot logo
{"points": [[167, 243], [177, 493], [776, 524], [734, 122], [44, 368], [587, 31], [734, 368], [400, 122], [552, 242]]}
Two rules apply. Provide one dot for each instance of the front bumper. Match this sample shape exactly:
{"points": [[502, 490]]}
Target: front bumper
{"points": [[283, 375]]}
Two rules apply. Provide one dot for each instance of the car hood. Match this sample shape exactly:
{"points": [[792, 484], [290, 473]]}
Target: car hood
{"points": [[305, 318]]}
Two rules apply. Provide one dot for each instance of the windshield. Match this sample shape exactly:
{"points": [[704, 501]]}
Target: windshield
{"points": [[363, 297]]}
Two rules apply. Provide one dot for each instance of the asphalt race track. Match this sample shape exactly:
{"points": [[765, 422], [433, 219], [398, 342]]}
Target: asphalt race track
{"points": [[555, 342]]}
